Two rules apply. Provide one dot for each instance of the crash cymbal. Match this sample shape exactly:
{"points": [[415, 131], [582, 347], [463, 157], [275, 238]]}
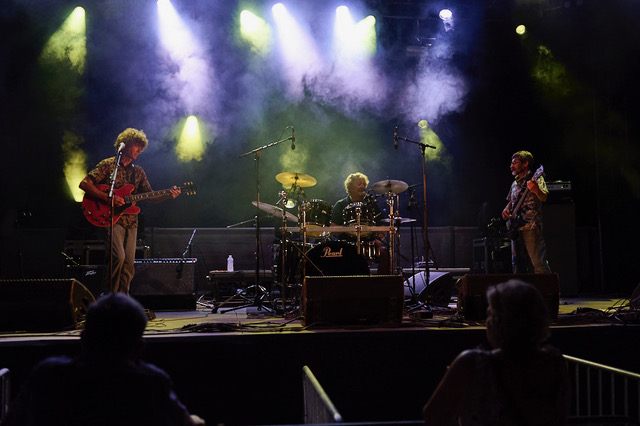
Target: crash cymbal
{"points": [[275, 211], [389, 186], [297, 179], [399, 220]]}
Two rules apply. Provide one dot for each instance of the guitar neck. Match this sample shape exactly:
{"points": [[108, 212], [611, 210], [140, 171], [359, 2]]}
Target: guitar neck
{"points": [[146, 195]]}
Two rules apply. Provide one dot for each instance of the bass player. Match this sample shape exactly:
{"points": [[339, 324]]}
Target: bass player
{"points": [[524, 216]]}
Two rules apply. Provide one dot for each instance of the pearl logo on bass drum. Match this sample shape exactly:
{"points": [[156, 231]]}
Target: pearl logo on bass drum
{"points": [[327, 252]]}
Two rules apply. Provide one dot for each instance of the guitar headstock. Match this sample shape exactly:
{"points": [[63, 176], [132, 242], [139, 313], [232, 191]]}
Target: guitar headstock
{"points": [[188, 188], [538, 172]]}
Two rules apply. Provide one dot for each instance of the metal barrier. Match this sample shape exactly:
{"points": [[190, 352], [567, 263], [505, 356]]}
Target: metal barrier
{"points": [[318, 407], [603, 393], [4, 392]]}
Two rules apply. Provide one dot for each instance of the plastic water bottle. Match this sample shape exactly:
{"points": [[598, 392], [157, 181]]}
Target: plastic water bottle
{"points": [[230, 263]]}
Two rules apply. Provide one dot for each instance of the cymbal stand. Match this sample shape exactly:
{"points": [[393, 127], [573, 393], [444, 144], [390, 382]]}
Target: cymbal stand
{"points": [[391, 202], [284, 279], [358, 228]]}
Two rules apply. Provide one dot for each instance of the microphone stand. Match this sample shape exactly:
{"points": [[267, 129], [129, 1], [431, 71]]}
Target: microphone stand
{"points": [[425, 231], [257, 302], [112, 183]]}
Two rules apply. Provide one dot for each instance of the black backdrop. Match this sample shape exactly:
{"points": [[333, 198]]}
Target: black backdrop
{"points": [[567, 93]]}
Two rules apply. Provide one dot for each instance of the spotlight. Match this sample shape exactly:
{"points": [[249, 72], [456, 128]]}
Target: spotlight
{"points": [[445, 14], [521, 30]]}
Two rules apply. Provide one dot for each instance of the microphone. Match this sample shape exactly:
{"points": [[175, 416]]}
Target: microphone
{"points": [[293, 138], [395, 138], [121, 147]]}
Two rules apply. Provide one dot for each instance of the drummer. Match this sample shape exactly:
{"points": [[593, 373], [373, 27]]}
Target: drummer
{"points": [[356, 188]]}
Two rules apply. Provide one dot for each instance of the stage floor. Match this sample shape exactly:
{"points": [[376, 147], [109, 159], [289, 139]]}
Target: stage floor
{"points": [[207, 318]]}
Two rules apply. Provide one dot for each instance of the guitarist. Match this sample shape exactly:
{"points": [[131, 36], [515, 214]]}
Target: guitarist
{"points": [[527, 241], [125, 231]]}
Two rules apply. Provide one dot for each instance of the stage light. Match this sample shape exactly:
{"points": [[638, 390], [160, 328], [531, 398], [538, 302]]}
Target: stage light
{"points": [[75, 163], [69, 42], [366, 32], [297, 48], [190, 145], [423, 124], [521, 30], [447, 19], [353, 41], [255, 31], [445, 14], [174, 35]]}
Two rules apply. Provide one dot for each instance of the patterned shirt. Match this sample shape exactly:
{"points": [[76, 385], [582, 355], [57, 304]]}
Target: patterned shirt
{"points": [[130, 174], [531, 209]]}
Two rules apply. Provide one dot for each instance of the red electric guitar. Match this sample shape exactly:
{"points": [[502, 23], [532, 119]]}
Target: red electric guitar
{"points": [[98, 212]]}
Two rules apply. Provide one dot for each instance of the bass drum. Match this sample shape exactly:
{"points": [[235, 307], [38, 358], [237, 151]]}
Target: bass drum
{"points": [[336, 258]]}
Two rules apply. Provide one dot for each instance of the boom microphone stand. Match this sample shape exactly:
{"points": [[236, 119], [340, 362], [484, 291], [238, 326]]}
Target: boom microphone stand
{"points": [[425, 231], [257, 302]]}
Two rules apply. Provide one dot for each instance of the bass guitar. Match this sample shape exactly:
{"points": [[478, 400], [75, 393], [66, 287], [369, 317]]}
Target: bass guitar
{"points": [[515, 222], [98, 212]]}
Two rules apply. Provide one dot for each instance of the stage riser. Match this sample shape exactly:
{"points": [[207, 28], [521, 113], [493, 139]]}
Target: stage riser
{"points": [[382, 375]]}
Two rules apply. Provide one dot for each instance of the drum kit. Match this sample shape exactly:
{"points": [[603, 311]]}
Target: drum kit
{"points": [[316, 251]]}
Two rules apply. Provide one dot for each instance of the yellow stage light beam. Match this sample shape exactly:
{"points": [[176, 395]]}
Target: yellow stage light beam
{"points": [[256, 32], [69, 42], [190, 144], [75, 163]]}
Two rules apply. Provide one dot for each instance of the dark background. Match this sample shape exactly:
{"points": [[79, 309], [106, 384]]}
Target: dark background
{"points": [[567, 92]]}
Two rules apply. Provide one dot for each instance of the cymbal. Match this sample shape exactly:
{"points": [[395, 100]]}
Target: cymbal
{"points": [[387, 186], [298, 179], [399, 220], [275, 211]]}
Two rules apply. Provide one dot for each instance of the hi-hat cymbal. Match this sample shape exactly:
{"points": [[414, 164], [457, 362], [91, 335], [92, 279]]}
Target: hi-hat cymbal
{"points": [[297, 179], [399, 220], [275, 211], [389, 186]]}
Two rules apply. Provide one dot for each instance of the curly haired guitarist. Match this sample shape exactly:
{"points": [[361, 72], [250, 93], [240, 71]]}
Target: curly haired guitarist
{"points": [[130, 177]]}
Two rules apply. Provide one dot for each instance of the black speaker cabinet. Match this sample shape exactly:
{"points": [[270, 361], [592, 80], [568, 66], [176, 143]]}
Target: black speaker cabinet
{"points": [[352, 300], [472, 292], [93, 277], [42, 305], [165, 284]]}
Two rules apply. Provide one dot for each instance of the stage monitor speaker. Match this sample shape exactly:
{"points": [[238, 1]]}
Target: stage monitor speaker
{"points": [[438, 292], [472, 292], [352, 300], [35, 305], [165, 284]]}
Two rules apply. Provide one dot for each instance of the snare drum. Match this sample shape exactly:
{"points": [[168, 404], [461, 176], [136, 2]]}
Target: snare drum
{"points": [[318, 216], [367, 216], [336, 258]]}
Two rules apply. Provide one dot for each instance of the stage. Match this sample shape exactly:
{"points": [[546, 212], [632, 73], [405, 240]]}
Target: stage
{"points": [[244, 366]]}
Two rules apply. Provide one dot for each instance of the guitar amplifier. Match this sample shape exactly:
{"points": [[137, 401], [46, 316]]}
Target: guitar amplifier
{"points": [[165, 284]]}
